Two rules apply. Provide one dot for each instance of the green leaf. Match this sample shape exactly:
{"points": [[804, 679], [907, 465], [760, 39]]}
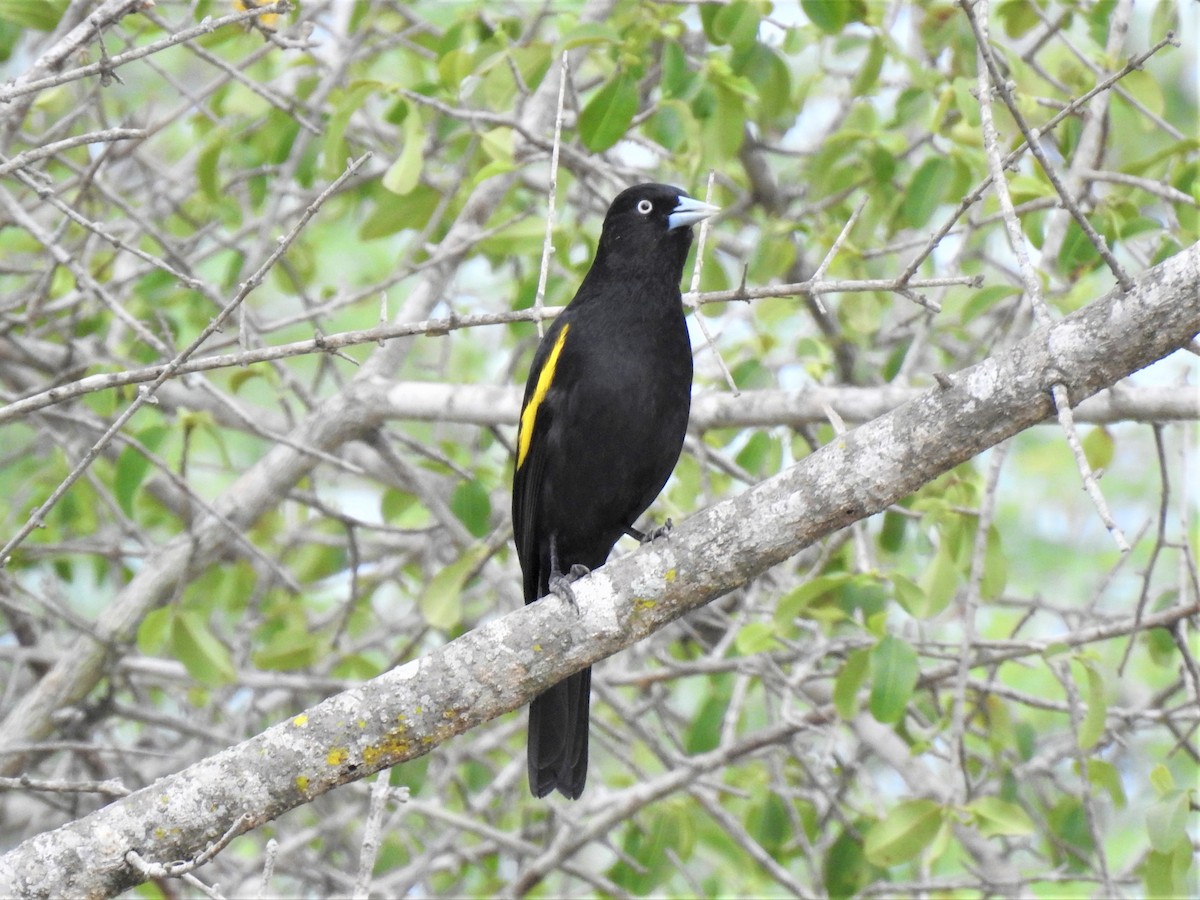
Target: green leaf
{"points": [[907, 830], [984, 299], [849, 681], [797, 600], [1077, 253], [1166, 874], [316, 561], [1069, 826], [926, 190], [831, 16], [1105, 774], [473, 507], [1018, 16], [764, 67], [761, 455], [441, 601], [403, 510], [155, 630], [938, 583], [894, 672], [590, 33], [132, 466], [1161, 780], [293, 647], [1026, 740], [344, 106], [208, 162], [404, 174], [735, 23], [868, 74], [994, 816], [704, 734], [1092, 727], [891, 535], [1146, 89], [607, 115], [845, 870], [1099, 448], [1167, 820], [393, 213], [755, 637], [193, 644], [908, 595], [726, 129], [995, 567], [677, 77], [666, 830], [455, 66], [44, 15], [769, 824]]}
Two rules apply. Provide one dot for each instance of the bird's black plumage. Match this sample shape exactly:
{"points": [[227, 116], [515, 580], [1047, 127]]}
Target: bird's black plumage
{"points": [[602, 423]]}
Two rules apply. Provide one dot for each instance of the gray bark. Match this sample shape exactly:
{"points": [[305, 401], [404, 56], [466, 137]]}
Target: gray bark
{"points": [[407, 712]]}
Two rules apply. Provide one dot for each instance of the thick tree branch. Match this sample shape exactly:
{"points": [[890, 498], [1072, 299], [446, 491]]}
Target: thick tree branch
{"points": [[496, 668], [340, 418]]}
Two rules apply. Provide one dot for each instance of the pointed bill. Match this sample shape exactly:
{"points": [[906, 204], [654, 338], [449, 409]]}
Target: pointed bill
{"points": [[689, 211]]}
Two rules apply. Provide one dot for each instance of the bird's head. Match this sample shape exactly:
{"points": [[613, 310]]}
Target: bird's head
{"points": [[651, 224]]}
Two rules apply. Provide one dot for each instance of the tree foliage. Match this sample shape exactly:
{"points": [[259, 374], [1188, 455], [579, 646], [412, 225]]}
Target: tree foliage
{"points": [[271, 279]]}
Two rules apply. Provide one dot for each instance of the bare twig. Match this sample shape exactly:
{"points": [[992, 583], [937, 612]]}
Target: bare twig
{"points": [[207, 26], [180, 868], [695, 288], [548, 241], [144, 396], [1029, 278], [95, 137], [1033, 139]]}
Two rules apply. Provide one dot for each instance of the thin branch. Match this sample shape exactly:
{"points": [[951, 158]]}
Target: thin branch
{"points": [[1062, 405], [548, 241], [145, 395], [1016, 239], [1134, 65], [1033, 140], [695, 288], [207, 26], [95, 137]]}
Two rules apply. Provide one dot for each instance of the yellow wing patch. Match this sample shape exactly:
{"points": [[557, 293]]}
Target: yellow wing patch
{"points": [[529, 413]]}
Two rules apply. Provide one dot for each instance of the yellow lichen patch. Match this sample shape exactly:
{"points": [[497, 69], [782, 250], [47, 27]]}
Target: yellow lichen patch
{"points": [[670, 575], [337, 756], [300, 721], [268, 21], [393, 747], [302, 783], [642, 604]]}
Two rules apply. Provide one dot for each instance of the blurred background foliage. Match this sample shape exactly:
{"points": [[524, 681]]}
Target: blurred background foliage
{"points": [[1072, 765]]}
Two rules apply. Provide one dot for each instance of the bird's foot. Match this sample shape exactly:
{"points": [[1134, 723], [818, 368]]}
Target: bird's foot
{"points": [[645, 537], [560, 584]]}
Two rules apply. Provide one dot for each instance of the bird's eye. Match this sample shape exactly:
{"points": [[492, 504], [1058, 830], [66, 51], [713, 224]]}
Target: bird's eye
{"points": [[644, 207]]}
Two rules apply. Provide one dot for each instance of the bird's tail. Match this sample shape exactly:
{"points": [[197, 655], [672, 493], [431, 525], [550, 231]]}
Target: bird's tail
{"points": [[558, 737]]}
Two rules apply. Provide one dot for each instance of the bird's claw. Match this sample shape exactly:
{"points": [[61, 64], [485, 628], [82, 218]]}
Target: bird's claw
{"points": [[660, 532], [560, 584], [645, 537]]}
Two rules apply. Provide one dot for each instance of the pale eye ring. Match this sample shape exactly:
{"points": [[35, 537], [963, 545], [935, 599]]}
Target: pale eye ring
{"points": [[644, 207]]}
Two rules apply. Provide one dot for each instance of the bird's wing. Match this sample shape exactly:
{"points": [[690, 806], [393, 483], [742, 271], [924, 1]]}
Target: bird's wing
{"points": [[537, 412]]}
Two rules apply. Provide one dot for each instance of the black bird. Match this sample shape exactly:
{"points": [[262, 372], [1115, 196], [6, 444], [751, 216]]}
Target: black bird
{"points": [[602, 423]]}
